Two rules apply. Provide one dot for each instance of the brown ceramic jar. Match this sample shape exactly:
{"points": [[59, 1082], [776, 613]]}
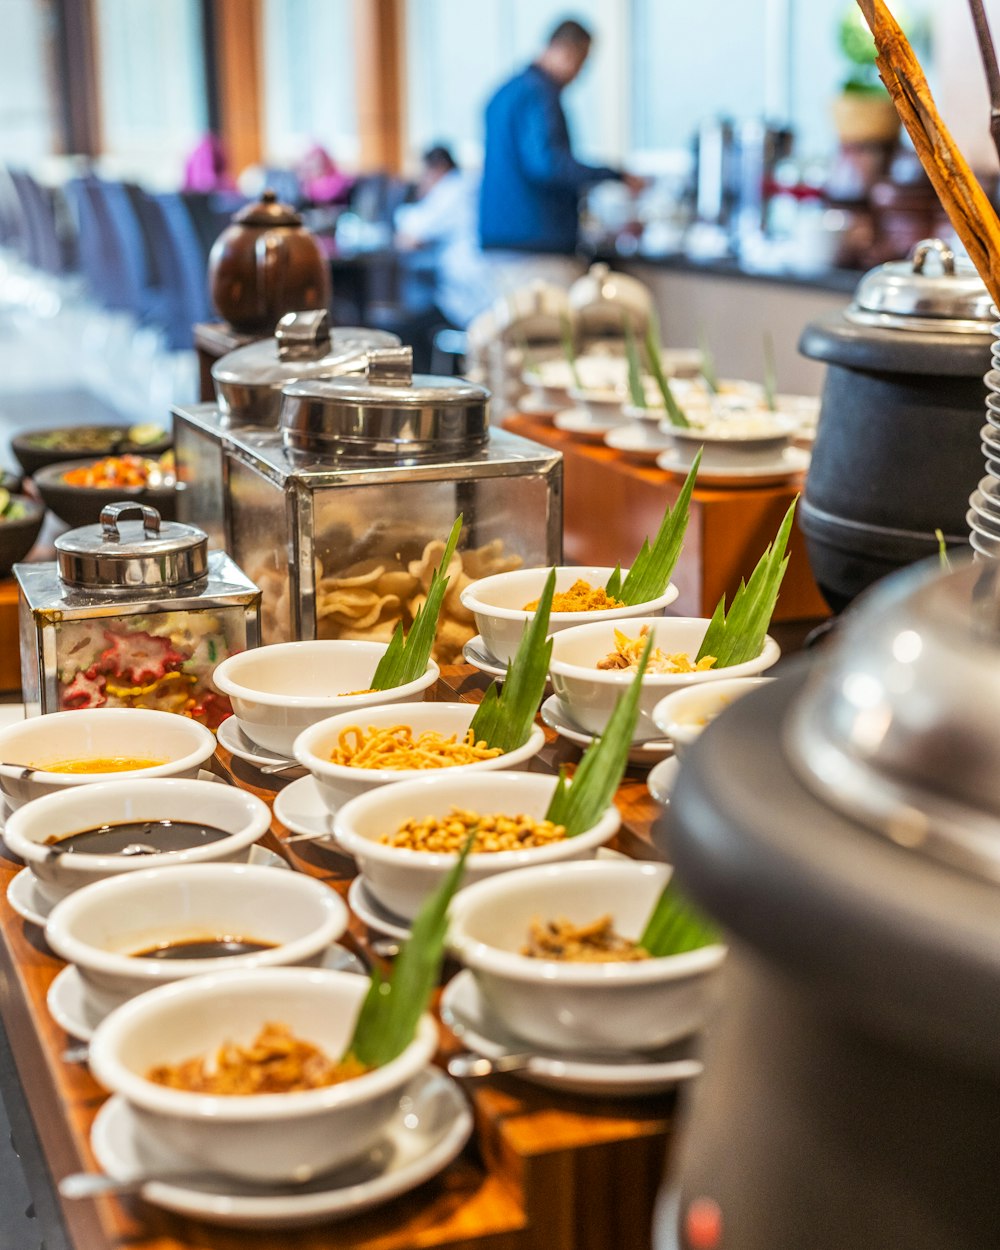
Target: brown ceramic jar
{"points": [[264, 265]]}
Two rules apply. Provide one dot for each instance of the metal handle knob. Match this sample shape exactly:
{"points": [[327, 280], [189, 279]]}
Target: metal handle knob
{"points": [[112, 513], [923, 249]]}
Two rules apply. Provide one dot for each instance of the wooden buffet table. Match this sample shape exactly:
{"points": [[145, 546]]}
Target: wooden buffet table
{"points": [[544, 1170], [611, 504]]}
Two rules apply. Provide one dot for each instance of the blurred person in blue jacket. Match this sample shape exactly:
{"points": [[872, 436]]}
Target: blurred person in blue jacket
{"points": [[532, 183]]}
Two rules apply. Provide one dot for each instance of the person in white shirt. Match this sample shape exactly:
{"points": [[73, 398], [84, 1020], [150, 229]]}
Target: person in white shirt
{"points": [[443, 216]]}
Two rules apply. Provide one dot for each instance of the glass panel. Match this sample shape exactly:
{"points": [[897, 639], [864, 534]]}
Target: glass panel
{"points": [[26, 123], [158, 660], [152, 81], [261, 546], [309, 79]]}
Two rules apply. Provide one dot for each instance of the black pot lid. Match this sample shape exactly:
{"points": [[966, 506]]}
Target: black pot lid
{"points": [[123, 554], [932, 290]]}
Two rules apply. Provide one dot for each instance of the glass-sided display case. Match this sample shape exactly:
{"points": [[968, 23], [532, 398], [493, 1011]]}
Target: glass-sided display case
{"points": [[341, 525]]}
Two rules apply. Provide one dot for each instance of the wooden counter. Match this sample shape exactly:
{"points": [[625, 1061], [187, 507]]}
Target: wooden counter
{"points": [[612, 503], [544, 1171]]}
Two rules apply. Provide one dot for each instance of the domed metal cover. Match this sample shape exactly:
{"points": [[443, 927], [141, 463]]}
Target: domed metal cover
{"points": [[898, 724], [912, 295]]}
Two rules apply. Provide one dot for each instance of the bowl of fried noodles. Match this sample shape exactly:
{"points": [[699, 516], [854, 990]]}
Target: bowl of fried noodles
{"points": [[375, 746]]}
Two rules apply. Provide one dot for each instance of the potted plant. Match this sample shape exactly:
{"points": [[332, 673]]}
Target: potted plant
{"points": [[863, 112]]}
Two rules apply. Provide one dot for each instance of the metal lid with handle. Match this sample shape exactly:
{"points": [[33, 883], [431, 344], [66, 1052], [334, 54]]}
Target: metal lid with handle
{"points": [[123, 554], [387, 411], [946, 295], [248, 381]]}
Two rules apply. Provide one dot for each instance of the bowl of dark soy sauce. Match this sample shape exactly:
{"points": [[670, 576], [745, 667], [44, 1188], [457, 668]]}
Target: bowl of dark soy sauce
{"points": [[74, 837], [129, 933]]}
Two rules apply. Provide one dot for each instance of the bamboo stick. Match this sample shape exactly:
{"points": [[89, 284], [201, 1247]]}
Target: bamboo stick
{"points": [[963, 199]]}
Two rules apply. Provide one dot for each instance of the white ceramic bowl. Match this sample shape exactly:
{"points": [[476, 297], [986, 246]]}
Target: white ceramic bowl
{"points": [[102, 927], [279, 690], [734, 440], [402, 879], [683, 715], [337, 783], [242, 815], [260, 1137], [589, 694], [602, 404], [498, 604], [639, 1005], [97, 733]]}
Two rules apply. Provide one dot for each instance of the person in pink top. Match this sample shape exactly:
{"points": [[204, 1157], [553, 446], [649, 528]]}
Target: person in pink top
{"points": [[207, 168]]}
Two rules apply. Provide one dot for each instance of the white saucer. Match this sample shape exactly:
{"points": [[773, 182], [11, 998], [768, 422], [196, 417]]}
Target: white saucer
{"points": [[368, 909], [476, 653], [470, 1019], [432, 1125], [73, 1008], [301, 809], [230, 736], [27, 898], [790, 462], [554, 714], [640, 440], [578, 421], [660, 781]]}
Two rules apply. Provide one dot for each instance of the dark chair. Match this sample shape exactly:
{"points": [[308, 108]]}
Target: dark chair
{"points": [[210, 214], [100, 260], [43, 229], [135, 274], [179, 250]]}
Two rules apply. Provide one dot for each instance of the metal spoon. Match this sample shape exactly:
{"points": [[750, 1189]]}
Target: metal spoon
{"points": [[469, 1064], [94, 1184], [270, 770]]}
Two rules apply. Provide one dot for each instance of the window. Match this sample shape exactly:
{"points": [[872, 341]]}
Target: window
{"points": [[26, 124], [309, 79], [152, 80]]}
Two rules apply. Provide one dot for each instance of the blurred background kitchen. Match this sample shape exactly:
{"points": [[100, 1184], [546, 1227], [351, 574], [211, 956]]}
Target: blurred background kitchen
{"points": [[130, 131]]}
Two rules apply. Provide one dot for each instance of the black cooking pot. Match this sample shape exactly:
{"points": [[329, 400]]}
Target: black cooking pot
{"points": [[897, 452], [851, 1096]]}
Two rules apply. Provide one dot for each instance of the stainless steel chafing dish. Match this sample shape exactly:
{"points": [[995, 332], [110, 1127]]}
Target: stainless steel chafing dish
{"points": [[340, 513]]}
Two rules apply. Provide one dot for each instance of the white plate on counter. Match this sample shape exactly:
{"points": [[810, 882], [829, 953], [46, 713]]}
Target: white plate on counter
{"points": [[468, 1016], [231, 738], [301, 809], [432, 1125], [28, 899], [790, 462], [476, 653], [578, 421], [370, 911], [554, 714], [74, 1008]]}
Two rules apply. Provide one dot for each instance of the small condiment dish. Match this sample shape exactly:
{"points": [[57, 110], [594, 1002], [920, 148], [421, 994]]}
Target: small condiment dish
{"points": [[255, 1137], [683, 715], [562, 1006], [104, 928], [497, 603], [589, 693], [27, 747], [401, 878], [337, 783], [602, 404], [31, 831], [279, 690]]}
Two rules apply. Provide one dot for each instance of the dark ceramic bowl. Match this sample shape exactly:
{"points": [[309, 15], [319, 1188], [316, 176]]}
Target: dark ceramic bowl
{"points": [[17, 537], [81, 505], [71, 444]]}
